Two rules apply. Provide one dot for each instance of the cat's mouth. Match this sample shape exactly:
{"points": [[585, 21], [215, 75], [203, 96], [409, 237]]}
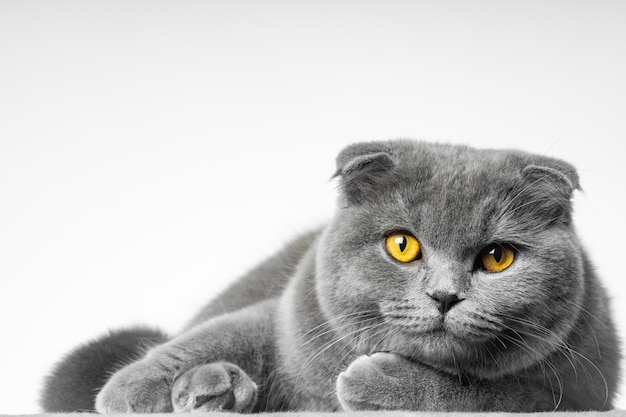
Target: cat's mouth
{"points": [[425, 327], [429, 325], [432, 340], [456, 342]]}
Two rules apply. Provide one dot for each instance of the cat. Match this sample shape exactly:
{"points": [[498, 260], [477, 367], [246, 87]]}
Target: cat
{"points": [[450, 278]]}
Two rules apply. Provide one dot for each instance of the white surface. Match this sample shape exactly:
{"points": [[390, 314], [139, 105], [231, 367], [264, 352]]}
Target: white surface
{"points": [[152, 151]]}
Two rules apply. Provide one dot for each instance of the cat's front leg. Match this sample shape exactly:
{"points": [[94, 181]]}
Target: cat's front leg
{"points": [[386, 381], [215, 366], [376, 382], [142, 387]]}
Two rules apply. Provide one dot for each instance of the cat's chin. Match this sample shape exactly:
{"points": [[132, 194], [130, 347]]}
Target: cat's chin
{"points": [[440, 349], [454, 354]]}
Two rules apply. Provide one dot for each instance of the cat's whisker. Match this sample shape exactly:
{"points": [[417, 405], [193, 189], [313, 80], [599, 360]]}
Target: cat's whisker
{"points": [[565, 349], [336, 326], [542, 360], [522, 192], [500, 340], [333, 326], [271, 381], [553, 338], [583, 314], [587, 312], [382, 329], [336, 320], [572, 354], [382, 334], [535, 202], [521, 344], [482, 351], [456, 367], [324, 348], [545, 335], [332, 330], [559, 382]]}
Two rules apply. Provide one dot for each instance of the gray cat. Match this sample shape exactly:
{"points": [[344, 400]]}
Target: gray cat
{"points": [[450, 278]]}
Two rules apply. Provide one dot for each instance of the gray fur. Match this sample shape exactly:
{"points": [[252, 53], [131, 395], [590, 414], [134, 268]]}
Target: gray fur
{"points": [[332, 322]]}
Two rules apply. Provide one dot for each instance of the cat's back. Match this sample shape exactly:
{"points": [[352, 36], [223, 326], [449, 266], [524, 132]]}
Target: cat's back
{"points": [[265, 281]]}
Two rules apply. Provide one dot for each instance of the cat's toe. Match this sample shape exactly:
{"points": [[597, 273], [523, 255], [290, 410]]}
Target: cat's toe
{"points": [[218, 386]]}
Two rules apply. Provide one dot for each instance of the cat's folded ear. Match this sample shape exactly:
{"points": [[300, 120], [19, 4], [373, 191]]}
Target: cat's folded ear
{"points": [[363, 168], [549, 185]]}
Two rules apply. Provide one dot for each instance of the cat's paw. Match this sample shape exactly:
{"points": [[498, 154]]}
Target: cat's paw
{"points": [[218, 386], [141, 387], [376, 382]]}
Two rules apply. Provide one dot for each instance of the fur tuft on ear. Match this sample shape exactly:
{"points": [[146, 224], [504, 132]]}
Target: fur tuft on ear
{"points": [[360, 167], [558, 170], [549, 188]]}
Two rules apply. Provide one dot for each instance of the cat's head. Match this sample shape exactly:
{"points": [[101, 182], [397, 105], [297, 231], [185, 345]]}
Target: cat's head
{"points": [[457, 257]]}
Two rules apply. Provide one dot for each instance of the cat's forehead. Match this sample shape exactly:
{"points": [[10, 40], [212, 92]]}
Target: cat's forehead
{"points": [[446, 171], [455, 198], [455, 193], [443, 158]]}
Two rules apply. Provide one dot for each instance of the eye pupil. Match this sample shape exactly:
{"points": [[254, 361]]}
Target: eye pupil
{"points": [[402, 242], [496, 253]]}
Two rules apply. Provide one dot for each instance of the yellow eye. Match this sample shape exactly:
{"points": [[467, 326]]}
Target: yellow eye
{"points": [[496, 258], [403, 247]]}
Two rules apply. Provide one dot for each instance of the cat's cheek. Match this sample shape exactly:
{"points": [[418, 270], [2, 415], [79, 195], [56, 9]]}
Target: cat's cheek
{"points": [[346, 286], [508, 288]]}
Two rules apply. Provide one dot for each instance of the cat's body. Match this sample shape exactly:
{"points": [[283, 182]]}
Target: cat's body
{"points": [[496, 308]]}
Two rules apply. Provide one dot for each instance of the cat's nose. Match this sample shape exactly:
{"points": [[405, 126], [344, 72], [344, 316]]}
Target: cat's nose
{"points": [[446, 300]]}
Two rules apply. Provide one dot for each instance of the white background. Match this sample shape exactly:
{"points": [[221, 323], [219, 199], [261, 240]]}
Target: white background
{"points": [[152, 151]]}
